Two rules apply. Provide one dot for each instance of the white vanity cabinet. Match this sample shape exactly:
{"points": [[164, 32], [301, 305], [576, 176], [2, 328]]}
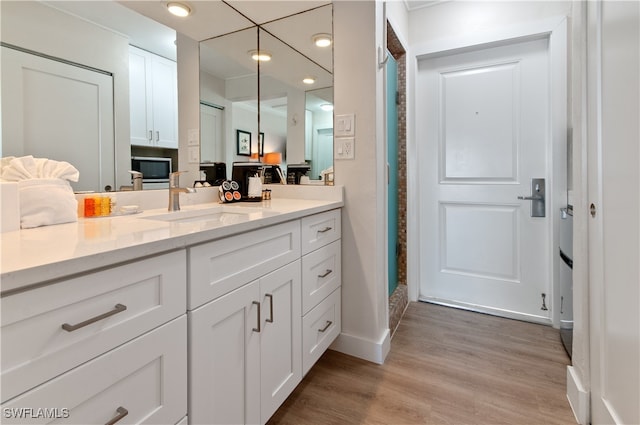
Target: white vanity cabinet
{"points": [[153, 100], [100, 344], [321, 284], [245, 344], [220, 330]]}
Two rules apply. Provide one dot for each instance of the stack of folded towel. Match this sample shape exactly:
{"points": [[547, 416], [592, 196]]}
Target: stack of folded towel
{"points": [[46, 197]]}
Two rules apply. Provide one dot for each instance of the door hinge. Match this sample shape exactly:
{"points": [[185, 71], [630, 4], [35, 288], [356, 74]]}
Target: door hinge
{"points": [[544, 305], [397, 98]]}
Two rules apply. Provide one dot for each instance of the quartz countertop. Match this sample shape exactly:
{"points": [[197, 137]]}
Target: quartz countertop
{"points": [[34, 256]]}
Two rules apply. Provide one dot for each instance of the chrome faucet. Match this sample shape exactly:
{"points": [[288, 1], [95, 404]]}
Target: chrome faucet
{"points": [[175, 190]]}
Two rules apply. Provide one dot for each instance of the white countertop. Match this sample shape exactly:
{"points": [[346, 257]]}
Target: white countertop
{"points": [[43, 254]]}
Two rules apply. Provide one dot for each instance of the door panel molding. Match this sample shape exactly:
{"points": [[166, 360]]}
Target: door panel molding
{"points": [[463, 112], [496, 255]]}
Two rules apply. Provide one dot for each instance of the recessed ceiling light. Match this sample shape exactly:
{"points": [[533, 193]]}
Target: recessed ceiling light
{"points": [[260, 55], [326, 107], [179, 9], [322, 40], [309, 80]]}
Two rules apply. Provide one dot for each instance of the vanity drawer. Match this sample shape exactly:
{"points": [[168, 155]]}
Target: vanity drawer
{"points": [[321, 274], [36, 347], [320, 229], [147, 377], [219, 267], [320, 327]]}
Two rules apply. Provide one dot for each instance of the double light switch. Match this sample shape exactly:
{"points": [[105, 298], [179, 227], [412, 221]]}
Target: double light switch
{"points": [[344, 136]]}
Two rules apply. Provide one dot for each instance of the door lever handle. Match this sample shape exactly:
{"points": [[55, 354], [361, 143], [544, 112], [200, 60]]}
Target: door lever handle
{"points": [[537, 197], [531, 198]]}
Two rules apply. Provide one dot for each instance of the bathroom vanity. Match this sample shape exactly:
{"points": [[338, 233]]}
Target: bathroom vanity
{"points": [[212, 314]]}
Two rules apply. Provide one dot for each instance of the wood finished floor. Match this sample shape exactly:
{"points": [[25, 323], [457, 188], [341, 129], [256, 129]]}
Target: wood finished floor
{"points": [[446, 366]]}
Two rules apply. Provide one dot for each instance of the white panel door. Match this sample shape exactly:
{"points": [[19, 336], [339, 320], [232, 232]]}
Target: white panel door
{"points": [[483, 134], [211, 142], [59, 111]]}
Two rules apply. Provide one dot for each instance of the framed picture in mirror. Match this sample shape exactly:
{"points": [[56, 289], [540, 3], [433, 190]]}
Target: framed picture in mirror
{"points": [[243, 142], [261, 145]]}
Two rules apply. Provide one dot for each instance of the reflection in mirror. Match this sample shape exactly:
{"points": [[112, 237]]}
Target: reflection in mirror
{"points": [[318, 145], [293, 85], [228, 96], [76, 103], [229, 92]]}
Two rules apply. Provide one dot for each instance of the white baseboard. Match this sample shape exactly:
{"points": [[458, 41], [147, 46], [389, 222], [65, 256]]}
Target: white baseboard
{"points": [[373, 351], [488, 310], [578, 396]]}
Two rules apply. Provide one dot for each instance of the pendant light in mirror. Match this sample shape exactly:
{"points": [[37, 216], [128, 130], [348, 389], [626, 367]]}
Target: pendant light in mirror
{"points": [[322, 40], [260, 55], [179, 9]]}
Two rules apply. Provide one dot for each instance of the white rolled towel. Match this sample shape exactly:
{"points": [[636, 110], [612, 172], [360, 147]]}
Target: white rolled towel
{"points": [[46, 201], [28, 167]]}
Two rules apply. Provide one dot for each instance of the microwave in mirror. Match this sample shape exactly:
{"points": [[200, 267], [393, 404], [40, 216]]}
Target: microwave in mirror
{"points": [[153, 169]]}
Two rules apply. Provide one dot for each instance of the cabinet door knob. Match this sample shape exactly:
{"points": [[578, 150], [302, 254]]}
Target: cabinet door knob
{"points": [[122, 412], [326, 273], [270, 319], [326, 326], [117, 309], [258, 323]]}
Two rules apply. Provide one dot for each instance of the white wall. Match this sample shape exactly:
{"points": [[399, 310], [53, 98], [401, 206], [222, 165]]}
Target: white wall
{"points": [[357, 90], [34, 26], [457, 18], [188, 105]]}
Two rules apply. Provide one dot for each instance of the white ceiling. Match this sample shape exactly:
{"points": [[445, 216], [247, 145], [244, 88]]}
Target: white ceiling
{"points": [[419, 4], [211, 18]]}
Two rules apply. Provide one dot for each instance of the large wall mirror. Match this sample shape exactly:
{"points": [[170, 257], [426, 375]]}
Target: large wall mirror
{"points": [[228, 97], [294, 103], [68, 67], [277, 113]]}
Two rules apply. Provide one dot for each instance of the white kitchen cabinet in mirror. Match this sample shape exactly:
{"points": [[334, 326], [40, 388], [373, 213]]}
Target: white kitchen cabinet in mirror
{"points": [[153, 99]]}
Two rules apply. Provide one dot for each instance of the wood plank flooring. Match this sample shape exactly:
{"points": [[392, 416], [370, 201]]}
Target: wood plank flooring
{"points": [[446, 366]]}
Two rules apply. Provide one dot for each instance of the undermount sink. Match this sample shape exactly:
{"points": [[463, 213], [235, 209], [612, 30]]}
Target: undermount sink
{"points": [[213, 215]]}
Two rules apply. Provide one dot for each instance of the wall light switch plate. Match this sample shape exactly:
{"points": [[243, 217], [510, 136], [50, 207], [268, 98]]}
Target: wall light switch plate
{"points": [[194, 154], [344, 148], [345, 125], [193, 137]]}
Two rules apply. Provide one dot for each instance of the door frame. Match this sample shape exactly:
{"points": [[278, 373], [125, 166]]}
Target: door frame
{"points": [[555, 29]]}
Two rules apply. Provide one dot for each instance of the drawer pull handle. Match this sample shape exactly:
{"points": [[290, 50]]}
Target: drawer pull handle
{"points": [[325, 274], [119, 308], [270, 319], [258, 328], [122, 412], [325, 230], [329, 323]]}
